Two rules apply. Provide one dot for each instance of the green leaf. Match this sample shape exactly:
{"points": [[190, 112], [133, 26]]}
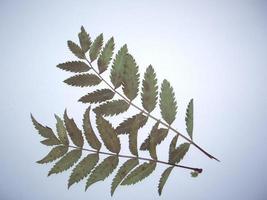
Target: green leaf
{"points": [[133, 137], [85, 40], [96, 47], [74, 66], [103, 170], [125, 126], [130, 78], [118, 67], [83, 168], [54, 154], [105, 56], [74, 132], [139, 173], [83, 80], [61, 131], [173, 146], [149, 90], [189, 118], [111, 108], [89, 132], [66, 162], [167, 105], [178, 154], [108, 134], [98, 96], [44, 131], [122, 172], [76, 50], [163, 179], [51, 142]]}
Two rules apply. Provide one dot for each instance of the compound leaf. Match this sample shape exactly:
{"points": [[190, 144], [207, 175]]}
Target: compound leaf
{"points": [[66, 162], [130, 78], [168, 104], [76, 50], [111, 108], [105, 56], [103, 170], [96, 47], [61, 131], [189, 118], [122, 173], [108, 134], [98, 96], [89, 132], [139, 173], [83, 168], [74, 132], [178, 154], [149, 90], [163, 179], [83, 80], [74, 66], [54, 154], [118, 67], [85, 40]]}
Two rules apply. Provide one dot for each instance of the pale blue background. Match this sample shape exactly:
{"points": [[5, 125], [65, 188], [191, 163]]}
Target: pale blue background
{"points": [[213, 51]]}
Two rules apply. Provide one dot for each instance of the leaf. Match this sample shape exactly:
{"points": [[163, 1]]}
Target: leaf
{"points": [[111, 108], [167, 105], [103, 170], [97, 96], [163, 179], [108, 134], [178, 154], [118, 67], [83, 80], [74, 132], [173, 146], [133, 140], [76, 50], [85, 40], [139, 173], [89, 132], [83, 168], [189, 118], [130, 78], [66, 162], [54, 154], [122, 172], [149, 90], [61, 131], [51, 142], [105, 56], [96, 47], [125, 126], [74, 66], [44, 131]]}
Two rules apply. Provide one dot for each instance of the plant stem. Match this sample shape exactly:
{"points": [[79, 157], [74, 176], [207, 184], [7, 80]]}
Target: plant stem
{"points": [[149, 115], [199, 170]]}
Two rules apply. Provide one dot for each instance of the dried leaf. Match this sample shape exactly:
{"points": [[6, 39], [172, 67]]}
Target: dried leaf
{"points": [[130, 78], [76, 50], [83, 80], [133, 139], [74, 66], [139, 173], [83, 168], [163, 179], [168, 104], [74, 132], [118, 67], [51, 142], [54, 154], [61, 131], [66, 162], [103, 170], [96, 47], [44, 131], [189, 118], [125, 126], [85, 40], [122, 173], [149, 90], [89, 132], [111, 108], [178, 154], [105, 56], [98, 96], [108, 134], [173, 145]]}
